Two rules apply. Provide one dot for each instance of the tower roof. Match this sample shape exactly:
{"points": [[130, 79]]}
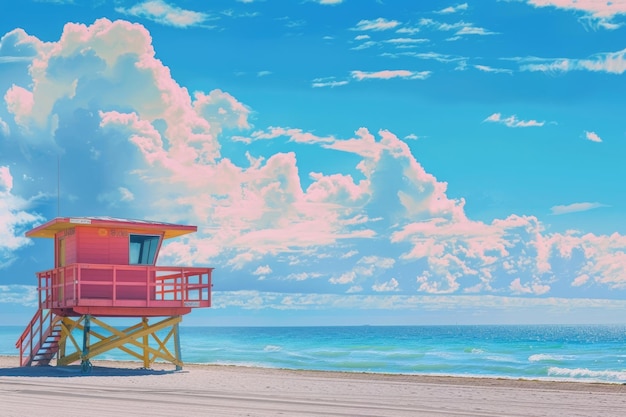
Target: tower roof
{"points": [[54, 226]]}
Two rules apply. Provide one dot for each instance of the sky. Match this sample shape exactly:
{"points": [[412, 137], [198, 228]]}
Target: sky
{"points": [[370, 162]]}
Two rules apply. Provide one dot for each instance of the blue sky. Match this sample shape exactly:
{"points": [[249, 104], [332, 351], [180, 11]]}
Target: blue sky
{"points": [[346, 162]]}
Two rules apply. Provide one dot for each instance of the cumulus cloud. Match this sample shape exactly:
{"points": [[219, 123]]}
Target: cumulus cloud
{"points": [[15, 218], [161, 12], [575, 207], [512, 121], [379, 223]]}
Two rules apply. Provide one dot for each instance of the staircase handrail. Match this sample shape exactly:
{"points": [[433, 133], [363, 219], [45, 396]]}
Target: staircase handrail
{"points": [[36, 326]]}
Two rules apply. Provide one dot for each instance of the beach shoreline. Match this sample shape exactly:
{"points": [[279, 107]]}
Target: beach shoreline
{"points": [[9, 361], [117, 388]]}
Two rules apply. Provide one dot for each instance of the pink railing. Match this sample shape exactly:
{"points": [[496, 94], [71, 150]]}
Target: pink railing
{"points": [[124, 286], [36, 332]]}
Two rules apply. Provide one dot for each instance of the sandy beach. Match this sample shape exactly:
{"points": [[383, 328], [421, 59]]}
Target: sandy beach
{"points": [[124, 389]]}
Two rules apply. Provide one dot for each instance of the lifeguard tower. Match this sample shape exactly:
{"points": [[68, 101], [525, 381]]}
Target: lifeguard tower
{"points": [[103, 268]]}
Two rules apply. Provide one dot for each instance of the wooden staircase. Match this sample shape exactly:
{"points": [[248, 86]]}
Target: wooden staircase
{"points": [[48, 348], [39, 343]]}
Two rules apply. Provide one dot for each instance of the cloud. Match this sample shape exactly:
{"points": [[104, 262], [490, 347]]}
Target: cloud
{"points": [[529, 288], [24, 295], [262, 271], [366, 269], [161, 12], [254, 206], [471, 30], [329, 2], [600, 11], [461, 28], [18, 46], [575, 207], [405, 41], [257, 300], [4, 128], [114, 197], [327, 82], [263, 73], [391, 285], [609, 62], [485, 68], [16, 218], [592, 136], [294, 135], [453, 9], [388, 74], [376, 24], [408, 30], [512, 121]]}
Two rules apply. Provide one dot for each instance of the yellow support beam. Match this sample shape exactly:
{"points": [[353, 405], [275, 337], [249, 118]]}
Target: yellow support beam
{"points": [[138, 336]]}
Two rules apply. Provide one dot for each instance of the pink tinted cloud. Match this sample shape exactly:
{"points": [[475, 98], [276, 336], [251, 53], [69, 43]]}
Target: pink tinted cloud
{"points": [[146, 87], [532, 288], [592, 136], [594, 7], [20, 103]]}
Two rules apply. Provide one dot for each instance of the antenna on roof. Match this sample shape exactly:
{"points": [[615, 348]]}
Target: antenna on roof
{"points": [[58, 185]]}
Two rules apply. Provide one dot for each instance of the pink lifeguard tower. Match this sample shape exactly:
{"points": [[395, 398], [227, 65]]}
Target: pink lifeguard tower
{"points": [[103, 268]]}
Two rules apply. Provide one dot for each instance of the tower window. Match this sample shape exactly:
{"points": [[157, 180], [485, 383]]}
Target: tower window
{"points": [[143, 249]]}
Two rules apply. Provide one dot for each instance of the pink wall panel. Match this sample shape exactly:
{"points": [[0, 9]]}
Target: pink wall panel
{"points": [[102, 246]]}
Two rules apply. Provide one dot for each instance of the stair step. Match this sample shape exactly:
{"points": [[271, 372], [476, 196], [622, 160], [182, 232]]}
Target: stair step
{"points": [[44, 349]]}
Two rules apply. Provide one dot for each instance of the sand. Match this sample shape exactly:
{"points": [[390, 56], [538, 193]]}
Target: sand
{"points": [[124, 389]]}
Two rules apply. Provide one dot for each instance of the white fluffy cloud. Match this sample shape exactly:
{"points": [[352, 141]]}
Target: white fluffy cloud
{"points": [[161, 12], [600, 11], [15, 219]]}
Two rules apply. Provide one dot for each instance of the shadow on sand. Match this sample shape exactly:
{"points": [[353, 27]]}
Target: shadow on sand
{"points": [[74, 371]]}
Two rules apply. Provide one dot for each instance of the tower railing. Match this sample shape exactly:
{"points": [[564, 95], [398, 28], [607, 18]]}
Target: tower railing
{"points": [[86, 284]]}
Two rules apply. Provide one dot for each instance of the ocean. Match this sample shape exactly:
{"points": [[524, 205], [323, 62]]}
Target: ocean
{"points": [[562, 353]]}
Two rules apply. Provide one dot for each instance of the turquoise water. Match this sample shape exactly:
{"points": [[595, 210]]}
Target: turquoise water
{"points": [[579, 353]]}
